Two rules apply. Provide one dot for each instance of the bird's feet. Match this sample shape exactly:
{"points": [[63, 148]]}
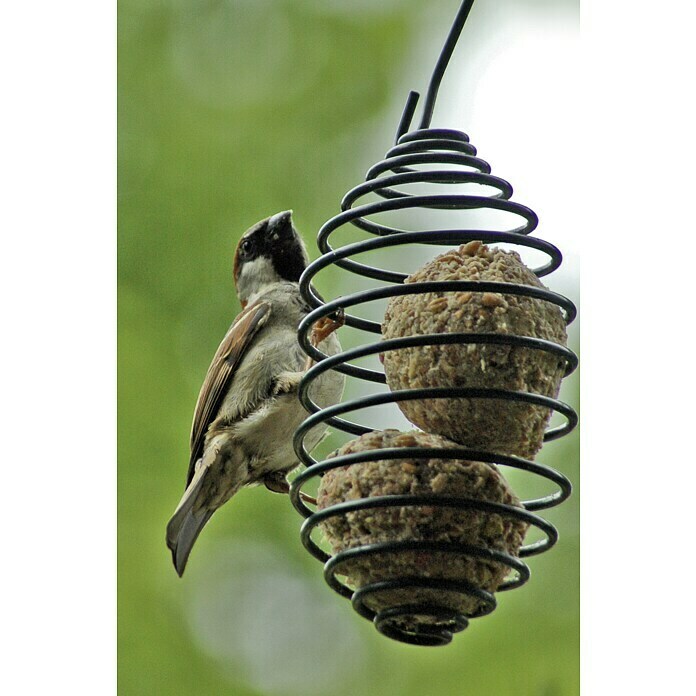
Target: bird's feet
{"points": [[277, 483], [326, 326], [286, 383]]}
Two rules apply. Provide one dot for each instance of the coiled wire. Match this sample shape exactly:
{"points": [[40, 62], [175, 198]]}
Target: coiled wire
{"points": [[436, 157]]}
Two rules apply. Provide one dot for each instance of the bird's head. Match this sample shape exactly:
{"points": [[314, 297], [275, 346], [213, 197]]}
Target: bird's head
{"points": [[271, 251]]}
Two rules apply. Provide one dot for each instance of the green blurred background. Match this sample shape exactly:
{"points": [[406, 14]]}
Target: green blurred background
{"points": [[230, 111]]}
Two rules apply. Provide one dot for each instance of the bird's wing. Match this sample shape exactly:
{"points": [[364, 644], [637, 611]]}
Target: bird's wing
{"points": [[220, 374]]}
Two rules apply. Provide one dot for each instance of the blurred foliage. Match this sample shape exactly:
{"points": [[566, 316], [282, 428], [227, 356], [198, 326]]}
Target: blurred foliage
{"points": [[229, 112]]}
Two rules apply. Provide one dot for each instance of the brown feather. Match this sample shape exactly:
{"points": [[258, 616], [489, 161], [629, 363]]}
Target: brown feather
{"points": [[220, 374], [236, 266]]}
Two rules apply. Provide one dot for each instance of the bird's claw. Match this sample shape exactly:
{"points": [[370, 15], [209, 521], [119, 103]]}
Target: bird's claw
{"points": [[327, 325], [277, 483], [286, 383]]}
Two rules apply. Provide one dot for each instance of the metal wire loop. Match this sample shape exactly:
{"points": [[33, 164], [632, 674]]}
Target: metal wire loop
{"points": [[456, 178]]}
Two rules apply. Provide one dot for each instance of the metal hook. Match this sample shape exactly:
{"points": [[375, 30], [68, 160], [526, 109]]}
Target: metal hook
{"points": [[436, 78]]}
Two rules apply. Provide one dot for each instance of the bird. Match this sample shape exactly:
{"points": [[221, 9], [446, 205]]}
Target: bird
{"points": [[248, 407]]}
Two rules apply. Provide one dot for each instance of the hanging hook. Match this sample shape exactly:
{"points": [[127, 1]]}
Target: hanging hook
{"points": [[436, 79]]}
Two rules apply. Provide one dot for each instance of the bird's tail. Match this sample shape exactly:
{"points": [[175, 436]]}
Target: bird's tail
{"points": [[186, 523]]}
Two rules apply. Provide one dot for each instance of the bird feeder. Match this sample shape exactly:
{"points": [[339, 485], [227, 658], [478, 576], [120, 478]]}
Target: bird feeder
{"points": [[424, 527]]}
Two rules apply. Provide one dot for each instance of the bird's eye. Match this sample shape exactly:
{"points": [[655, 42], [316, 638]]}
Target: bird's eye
{"points": [[245, 246]]}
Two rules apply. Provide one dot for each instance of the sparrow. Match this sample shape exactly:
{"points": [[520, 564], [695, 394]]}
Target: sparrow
{"points": [[248, 406]]}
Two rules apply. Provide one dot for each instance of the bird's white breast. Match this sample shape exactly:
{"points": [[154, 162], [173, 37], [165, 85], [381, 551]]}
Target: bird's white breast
{"points": [[265, 424], [269, 430]]}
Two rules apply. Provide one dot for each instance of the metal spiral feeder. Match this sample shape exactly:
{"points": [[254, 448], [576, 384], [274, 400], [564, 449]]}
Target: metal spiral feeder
{"points": [[425, 146]]}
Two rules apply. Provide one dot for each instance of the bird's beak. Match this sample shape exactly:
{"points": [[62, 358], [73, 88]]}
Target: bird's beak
{"points": [[280, 220]]}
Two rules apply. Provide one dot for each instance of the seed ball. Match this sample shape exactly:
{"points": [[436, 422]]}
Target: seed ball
{"points": [[454, 478], [493, 424]]}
